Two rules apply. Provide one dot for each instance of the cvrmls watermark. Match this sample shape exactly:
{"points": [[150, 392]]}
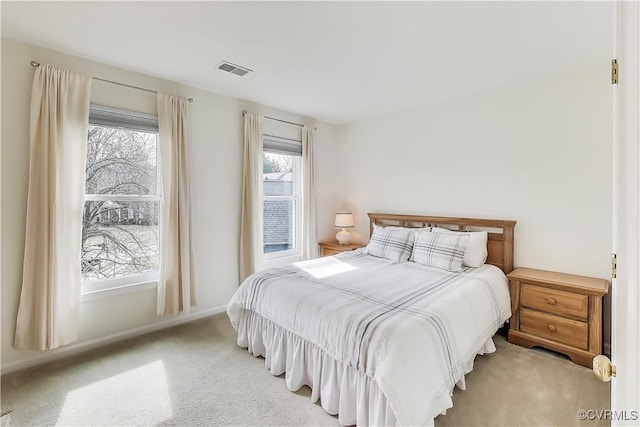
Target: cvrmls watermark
{"points": [[607, 415]]}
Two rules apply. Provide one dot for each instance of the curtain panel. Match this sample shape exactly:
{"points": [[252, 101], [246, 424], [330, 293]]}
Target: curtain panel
{"points": [[177, 285], [309, 243], [251, 238], [49, 310]]}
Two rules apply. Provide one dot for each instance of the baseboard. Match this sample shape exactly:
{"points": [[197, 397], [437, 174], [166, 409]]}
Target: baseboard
{"points": [[81, 347]]}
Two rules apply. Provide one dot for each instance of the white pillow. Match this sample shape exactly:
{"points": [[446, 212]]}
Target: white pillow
{"points": [[393, 244], [441, 250], [476, 253]]}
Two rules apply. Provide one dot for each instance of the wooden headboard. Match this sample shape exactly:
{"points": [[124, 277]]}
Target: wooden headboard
{"points": [[499, 245]]}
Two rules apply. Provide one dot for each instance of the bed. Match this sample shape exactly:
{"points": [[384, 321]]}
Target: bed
{"points": [[379, 341]]}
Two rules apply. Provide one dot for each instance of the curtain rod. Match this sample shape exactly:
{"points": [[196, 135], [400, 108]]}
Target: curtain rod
{"points": [[36, 64], [280, 120]]}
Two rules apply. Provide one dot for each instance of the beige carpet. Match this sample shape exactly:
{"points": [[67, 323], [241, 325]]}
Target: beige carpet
{"points": [[194, 374]]}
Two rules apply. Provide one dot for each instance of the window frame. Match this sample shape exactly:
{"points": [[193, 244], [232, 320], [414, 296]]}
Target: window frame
{"points": [[295, 254], [90, 289]]}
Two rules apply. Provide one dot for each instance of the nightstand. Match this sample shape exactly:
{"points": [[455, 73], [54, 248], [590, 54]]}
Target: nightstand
{"points": [[558, 311], [332, 248]]}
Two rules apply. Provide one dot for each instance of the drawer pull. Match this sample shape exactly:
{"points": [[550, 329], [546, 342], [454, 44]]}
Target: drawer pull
{"points": [[551, 301], [551, 328]]}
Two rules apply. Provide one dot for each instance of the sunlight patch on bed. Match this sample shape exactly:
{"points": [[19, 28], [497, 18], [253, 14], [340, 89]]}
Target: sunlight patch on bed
{"points": [[321, 270], [136, 397]]}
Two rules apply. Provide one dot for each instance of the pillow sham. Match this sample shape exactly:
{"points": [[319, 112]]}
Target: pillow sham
{"points": [[394, 244], [476, 253], [440, 250]]}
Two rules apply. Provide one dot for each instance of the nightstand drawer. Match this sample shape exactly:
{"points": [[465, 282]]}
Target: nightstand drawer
{"points": [[554, 301], [334, 248], [329, 252], [566, 331]]}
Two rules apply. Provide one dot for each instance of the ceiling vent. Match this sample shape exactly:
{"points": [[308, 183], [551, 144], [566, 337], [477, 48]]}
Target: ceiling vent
{"points": [[233, 68]]}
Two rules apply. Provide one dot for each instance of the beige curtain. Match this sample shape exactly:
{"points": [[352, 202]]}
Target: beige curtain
{"points": [[176, 289], [309, 244], [251, 239], [49, 310]]}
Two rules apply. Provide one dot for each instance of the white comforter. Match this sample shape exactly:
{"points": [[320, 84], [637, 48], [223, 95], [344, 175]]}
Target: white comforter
{"points": [[411, 328]]}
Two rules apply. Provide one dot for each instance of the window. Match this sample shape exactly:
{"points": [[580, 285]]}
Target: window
{"points": [[282, 197], [121, 216]]}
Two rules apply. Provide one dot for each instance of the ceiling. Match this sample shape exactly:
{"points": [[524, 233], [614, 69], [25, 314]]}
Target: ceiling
{"points": [[334, 61]]}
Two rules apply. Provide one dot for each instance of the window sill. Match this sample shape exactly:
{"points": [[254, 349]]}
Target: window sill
{"points": [[118, 290], [282, 260]]}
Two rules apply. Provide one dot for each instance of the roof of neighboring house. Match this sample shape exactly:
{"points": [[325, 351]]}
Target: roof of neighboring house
{"points": [[278, 222], [278, 214]]}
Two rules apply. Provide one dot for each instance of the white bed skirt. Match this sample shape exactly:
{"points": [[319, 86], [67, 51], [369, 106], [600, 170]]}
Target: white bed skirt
{"points": [[342, 390]]}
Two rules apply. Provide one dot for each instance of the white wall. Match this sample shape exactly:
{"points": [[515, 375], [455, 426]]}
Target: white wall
{"points": [[216, 162], [539, 154]]}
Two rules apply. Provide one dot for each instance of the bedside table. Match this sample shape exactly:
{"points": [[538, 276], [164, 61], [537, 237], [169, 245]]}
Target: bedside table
{"points": [[332, 248], [561, 312]]}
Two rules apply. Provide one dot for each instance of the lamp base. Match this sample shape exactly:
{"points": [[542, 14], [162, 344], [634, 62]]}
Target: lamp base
{"points": [[343, 237]]}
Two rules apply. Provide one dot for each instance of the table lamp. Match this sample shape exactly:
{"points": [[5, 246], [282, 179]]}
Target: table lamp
{"points": [[344, 221]]}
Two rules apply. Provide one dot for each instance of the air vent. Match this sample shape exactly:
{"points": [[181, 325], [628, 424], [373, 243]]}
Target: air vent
{"points": [[233, 68]]}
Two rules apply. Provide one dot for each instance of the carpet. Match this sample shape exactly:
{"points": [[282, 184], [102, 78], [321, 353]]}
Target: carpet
{"points": [[194, 375]]}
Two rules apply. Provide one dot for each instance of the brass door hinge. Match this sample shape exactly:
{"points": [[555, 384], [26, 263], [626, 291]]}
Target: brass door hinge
{"points": [[614, 71], [614, 265]]}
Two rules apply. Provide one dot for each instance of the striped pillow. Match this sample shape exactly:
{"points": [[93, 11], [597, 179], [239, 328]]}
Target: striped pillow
{"points": [[393, 244], [476, 253], [441, 250]]}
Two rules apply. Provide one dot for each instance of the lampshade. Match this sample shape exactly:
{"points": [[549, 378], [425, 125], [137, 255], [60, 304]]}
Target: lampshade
{"points": [[344, 220]]}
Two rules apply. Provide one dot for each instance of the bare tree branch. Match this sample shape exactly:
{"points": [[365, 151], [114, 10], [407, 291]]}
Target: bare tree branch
{"points": [[120, 237]]}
